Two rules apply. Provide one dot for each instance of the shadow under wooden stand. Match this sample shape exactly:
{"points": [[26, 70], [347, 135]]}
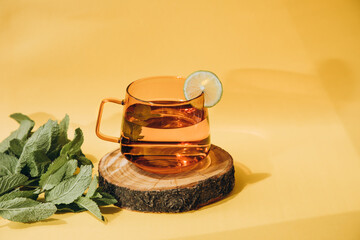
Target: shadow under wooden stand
{"points": [[211, 180]]}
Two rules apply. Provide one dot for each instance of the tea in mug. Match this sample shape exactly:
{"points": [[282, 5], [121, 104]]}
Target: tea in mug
{"points": [[165, 136]]}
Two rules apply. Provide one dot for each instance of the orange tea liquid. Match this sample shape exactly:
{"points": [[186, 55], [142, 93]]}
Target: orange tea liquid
{"points": [[165, 139]]}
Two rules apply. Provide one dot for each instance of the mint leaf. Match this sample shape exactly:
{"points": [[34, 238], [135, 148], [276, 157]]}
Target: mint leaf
{"points": [[10, 182], [142, 112], [61, 138], [71, 207], [104, 201], [135, 119], [132, 130], [92, 187], [37, 162], [73, 148], [39, 141], [26, 125], [26, 210], [55, 133], [17, 193], [50, 160], [70, 189], [53, 154], [90, 205], [53, 177], [20, 118], [104, 198], [84, 161], [96, 195], [7, 164], [45, 179], [64, 126], [16, 146], [71, 166]]}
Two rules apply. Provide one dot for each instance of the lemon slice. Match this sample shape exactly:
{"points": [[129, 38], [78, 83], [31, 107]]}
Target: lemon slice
{"points": [[203, 81]]}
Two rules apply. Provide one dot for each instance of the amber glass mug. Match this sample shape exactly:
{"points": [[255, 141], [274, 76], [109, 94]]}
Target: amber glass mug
{"points": [[162, 132]]}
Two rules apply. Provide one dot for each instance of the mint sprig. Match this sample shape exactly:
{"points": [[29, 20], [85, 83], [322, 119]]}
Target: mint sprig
{"points": [[45, 163], [140, 114]]}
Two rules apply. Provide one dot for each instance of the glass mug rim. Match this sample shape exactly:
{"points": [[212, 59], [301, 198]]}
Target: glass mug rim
{"points": [[182, 101]]}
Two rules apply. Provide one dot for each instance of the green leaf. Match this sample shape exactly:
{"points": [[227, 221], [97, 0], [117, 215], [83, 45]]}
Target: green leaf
{"points": [[92, 187], [135, 119], [37, 162], [90, 205], [142, 112], [65, 171], [74, 147], [71, 207], [132, 130], [53, 176], [104, 199], [71, 166], [17, 193], [55, 133], [53, 154], [16, 146], [84, 161], [96, 195], [10, 182], [26, 125], [61, 139], [7, 164], [70, 189], [31, 154], [26, 210], [64, 126], [20, 118], [39, 141]]}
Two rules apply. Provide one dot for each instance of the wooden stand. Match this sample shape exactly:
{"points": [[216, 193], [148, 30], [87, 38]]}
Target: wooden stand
{"points": [[211, 180]]}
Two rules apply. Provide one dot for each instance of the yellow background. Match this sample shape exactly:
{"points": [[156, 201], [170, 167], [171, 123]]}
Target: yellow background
{"points": [[289, 115]]}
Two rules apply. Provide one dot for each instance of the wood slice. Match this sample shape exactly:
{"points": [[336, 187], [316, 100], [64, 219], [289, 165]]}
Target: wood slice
{"points": [[211, 180]]}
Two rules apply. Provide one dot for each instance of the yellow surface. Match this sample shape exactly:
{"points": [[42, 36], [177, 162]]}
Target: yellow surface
{"points": [[290, 110]]}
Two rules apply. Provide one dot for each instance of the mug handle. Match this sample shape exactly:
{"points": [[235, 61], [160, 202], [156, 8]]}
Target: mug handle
{"points": [[98, 122]]}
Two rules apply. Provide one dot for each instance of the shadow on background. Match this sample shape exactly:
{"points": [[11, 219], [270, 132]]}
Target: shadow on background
{"points": [[338, 80], [333, 45], [274, 96], [46, 222], [109, 212], [41, 118], [343, 89], [270, 106], [243, 177]]}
